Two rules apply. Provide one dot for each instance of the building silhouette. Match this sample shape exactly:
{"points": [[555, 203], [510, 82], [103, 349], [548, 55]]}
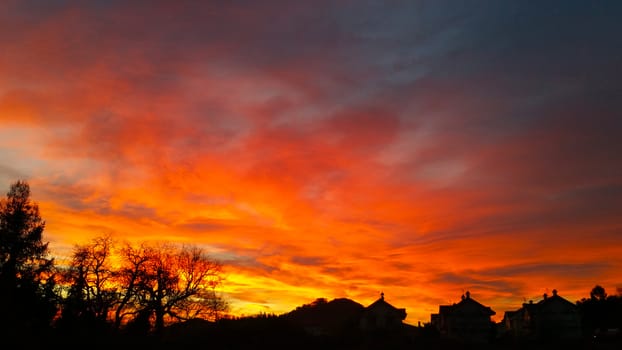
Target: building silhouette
{"points": [[467, 320], [551, 318], [381, 315]]}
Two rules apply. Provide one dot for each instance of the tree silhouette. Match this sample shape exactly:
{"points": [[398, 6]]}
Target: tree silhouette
{"points": [[92, 293], [598, 293], [26, 271], [175, 284], [129, 277], [153, 285], [600, 312]]}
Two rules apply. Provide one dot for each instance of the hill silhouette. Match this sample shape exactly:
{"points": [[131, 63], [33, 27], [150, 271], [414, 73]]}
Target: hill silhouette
{"points": [[322, 317]]}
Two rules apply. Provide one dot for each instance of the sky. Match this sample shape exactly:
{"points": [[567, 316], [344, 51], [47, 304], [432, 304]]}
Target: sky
{"points": [[334, 149]]}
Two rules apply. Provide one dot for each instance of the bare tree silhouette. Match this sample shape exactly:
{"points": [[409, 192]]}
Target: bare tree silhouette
{"points": [[177, 284], [154, 285], [91, 291]]}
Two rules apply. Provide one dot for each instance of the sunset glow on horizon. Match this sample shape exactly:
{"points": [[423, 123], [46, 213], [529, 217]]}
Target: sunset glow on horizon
{"points": [[327, 149]]}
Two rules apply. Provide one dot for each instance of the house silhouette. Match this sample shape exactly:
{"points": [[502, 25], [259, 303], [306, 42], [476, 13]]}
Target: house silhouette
{"points": [[551, 318], [467, 320], [380, 315]]}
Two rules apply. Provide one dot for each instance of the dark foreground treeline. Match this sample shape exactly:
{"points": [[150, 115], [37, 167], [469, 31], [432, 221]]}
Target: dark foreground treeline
{"points": [[281, 332], [161, 297]]}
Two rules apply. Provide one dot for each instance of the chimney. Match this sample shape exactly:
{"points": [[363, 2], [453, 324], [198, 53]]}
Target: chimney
{"points": [[554, 292], [545, 296], [468, 294]]}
